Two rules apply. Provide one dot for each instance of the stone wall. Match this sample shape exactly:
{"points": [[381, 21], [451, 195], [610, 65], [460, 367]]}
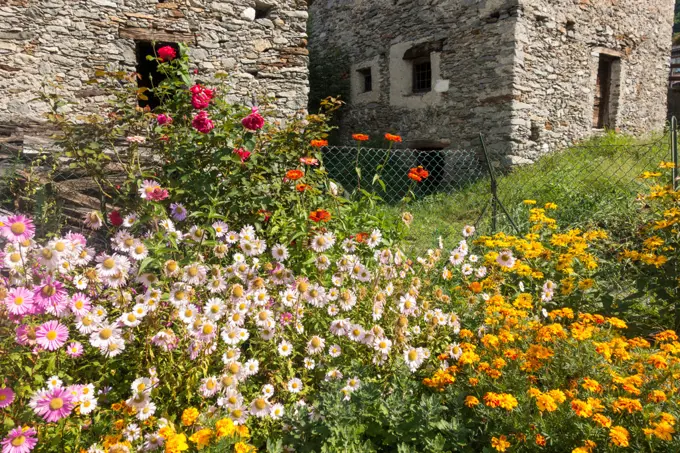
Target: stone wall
{"points": [[65, 41], [472, 85], [522, 72], [558, 50]]}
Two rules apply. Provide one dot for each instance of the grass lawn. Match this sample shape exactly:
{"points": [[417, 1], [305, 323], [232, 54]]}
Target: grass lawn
{"points": [[594, 182]]}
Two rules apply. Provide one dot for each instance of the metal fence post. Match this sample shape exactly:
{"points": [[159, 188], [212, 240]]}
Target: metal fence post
{"points": [[674, 150]]}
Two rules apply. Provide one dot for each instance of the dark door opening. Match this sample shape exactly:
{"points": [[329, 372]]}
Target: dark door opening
{"points": [[149, 76], [603, 92], [433, 160]]}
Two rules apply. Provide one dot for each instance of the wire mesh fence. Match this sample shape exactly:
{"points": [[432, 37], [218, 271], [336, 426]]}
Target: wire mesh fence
{"points": [[582, 180]]}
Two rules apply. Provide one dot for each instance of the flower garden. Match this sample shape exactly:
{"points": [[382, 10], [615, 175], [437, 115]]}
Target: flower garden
{"points": [[234, 298]]}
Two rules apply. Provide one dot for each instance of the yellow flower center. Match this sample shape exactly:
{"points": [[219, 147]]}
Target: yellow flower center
{"points": [[131, 318], [48, 290], [207, 329], [171, 266], [109, 263], [51, 335], [260, 403], [18, 441], [18, 228], [15, 257], [139, 249], [79, 304], [316, 342], [46, 253], [412, 355], [234, 368], [262, 315], [141, 387], [56, 403], [193, 271], [105, 333], [18, 300], [60, 246]]}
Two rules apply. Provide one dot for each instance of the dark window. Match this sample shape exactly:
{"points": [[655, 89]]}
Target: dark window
{"points": [[149, 76], [601, 107], [262, 10], [422, 75], [162, 1], [367, 79]]}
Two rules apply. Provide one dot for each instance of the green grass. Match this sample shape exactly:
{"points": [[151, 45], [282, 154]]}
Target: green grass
{"points": [[594, 182]]}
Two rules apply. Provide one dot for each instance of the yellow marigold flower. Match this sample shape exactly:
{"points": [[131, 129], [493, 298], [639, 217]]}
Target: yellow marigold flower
{"points": [[545, 402], [119, 424], [666, 165], [657, 396], [189, 416], [591, 385], [619, 436], [658, 361], [650, 174], [490, 341], [582, 408], [242, 447], [473, 381], [666, 335], [500, 443], [588, 447], [468, 358], [471, 401], [558, 395], [529, 202], [662, 430], [201, 438], [176, 444], [242, 431], [224, 428], [626, 404], [550, 206], [503, 400], [586, 283], [602, 420]]}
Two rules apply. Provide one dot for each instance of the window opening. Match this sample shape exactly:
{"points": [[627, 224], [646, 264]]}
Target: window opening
{"points": [[149, 76], [367, 79], [422, 75], [262, 10], [603, 88]]}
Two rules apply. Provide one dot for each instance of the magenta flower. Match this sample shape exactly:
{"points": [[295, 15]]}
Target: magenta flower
{"points": [[19, 440], [80, 304], [200, 96], [50, 297], [254, 121], [17, 228], [53, 404], [25, 335], [163, 119], [19, 301], [202, 123], [74, 349], [6, 397], [244, 154], [51, 335]]}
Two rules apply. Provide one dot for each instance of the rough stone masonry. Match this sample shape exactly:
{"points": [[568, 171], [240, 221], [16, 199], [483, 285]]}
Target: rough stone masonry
{"points": [[260, 44], [532, 75]]}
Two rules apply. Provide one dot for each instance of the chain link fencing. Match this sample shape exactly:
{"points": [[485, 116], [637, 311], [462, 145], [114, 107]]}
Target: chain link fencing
{"points": [[600, 174]]}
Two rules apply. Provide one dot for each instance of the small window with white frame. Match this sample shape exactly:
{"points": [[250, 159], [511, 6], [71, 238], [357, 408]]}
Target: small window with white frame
{"points": [[366, 80]]}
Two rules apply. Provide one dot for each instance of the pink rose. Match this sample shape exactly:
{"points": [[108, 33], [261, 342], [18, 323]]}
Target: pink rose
{"points": [[163, 119], [200, 96], [202, 123], [254, 121]]}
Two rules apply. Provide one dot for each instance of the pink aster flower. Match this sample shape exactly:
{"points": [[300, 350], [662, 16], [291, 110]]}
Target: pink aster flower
{"points": [[17, 228], [25, 335], [51, 335], [80, 304], [148, 187], [254, 121], [6, 397], [50, 297], [19, 440], [53, 404], [19, 301], [74, 349]]}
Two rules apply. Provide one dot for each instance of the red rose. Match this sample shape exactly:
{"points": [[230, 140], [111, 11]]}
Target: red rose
{"points": [[244, 154], [167, 53], [202, 123], [115, 218], [254, 121]]}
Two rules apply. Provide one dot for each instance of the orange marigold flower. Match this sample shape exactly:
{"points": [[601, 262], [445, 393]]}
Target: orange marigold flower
{"points": [[476, 287], [361, 237], [320, 215], [319, 143], [602, 420], [582, 408], [500, 443], [471, 401], [302, 187], [393, 138], [294, 175], [619, 436], [418, 174], [657, 396], [540, 440], [360, 137], [666, 335], [658, 361], [189, 416]]}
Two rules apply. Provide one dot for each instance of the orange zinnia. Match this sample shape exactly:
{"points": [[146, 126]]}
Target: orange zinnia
{"points": [[418, 174], [360, 137], [294, 175], [319, 143], [302, 187], [320, 215], [393, 138], [361, 237]]}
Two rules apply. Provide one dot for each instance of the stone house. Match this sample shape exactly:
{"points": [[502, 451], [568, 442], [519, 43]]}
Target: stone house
{"points": [[532, 75], [261, 45]]}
